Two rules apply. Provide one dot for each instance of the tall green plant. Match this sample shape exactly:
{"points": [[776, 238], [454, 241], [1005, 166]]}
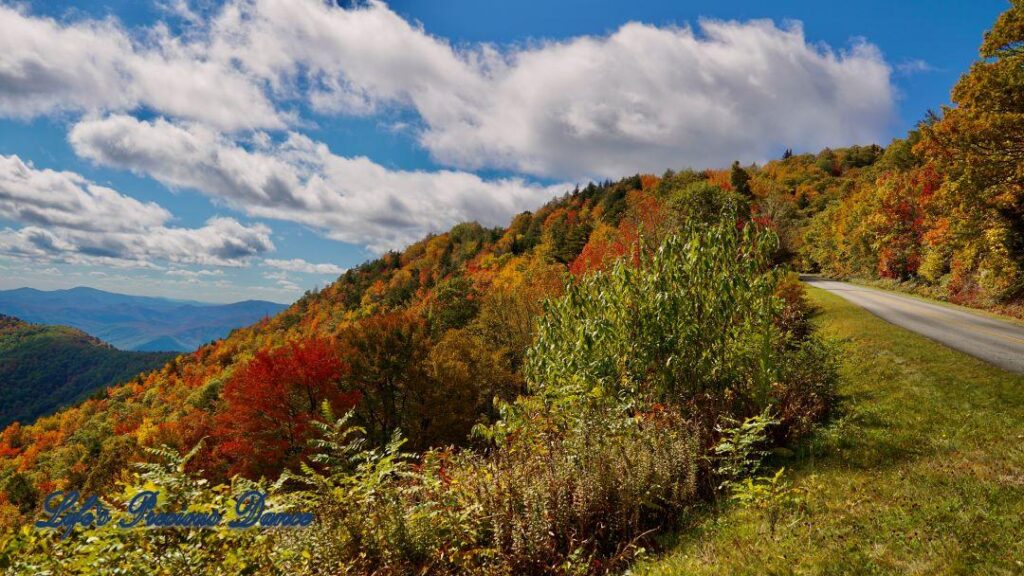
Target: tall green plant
{"points": [[694, 317]]}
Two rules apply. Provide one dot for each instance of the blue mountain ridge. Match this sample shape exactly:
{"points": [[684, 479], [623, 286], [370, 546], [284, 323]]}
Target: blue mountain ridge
{"points": [[142, 323]]}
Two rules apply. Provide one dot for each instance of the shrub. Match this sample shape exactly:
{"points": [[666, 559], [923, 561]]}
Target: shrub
{"points": [[805, 391], [738, 453], [695, 318], [579, 501], [794, 319]]}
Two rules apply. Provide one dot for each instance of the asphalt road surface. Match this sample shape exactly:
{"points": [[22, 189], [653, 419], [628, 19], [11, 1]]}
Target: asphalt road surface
{"points": [[996, 341]]}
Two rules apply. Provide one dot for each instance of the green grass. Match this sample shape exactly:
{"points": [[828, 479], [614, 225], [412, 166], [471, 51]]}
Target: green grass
{"points": [[922, 472]]}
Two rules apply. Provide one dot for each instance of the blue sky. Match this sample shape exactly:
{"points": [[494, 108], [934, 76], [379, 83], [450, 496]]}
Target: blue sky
{"points": [[177, 148]]}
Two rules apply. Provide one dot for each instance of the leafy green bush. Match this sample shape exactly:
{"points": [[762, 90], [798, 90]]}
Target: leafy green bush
{"points": [[739, 452], [695, 318], [378, 511]]}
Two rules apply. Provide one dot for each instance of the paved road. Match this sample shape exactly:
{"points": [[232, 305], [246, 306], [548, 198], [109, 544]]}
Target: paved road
{"points": [[996, 341]]}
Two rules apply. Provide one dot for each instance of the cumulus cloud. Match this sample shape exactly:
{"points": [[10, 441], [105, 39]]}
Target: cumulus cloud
{"points": [[354, 59], [47, 66], [66, 200], [300, 265], [646, 98], [67, 218], [642, 98], [350, 199]]}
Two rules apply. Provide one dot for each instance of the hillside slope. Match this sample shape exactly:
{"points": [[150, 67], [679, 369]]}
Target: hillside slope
{"points": [[135, 322], [424, 340], [920, 475], [43, 368], [445, 323]]}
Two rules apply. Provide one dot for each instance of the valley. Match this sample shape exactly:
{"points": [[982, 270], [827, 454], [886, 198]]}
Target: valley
{"points": [[144, 324]]}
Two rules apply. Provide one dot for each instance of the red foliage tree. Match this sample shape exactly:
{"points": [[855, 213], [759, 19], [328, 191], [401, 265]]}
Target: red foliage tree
{"points": [[605, 247], [270, 402], [901, 228]]}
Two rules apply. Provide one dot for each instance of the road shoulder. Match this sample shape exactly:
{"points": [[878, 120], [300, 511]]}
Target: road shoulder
{"points": [[920, 473]]}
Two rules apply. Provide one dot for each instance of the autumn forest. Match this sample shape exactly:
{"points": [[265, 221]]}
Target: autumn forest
{"points": [[544, 397]]}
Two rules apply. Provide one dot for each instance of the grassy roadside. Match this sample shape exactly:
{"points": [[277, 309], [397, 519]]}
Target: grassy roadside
{"points": [[921, 473]]}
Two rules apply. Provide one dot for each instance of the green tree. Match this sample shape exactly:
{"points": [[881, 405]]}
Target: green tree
{"points": [[386, 353], [705, 202], [455, 304], [740, 180], [21, 493], [827, 162]]}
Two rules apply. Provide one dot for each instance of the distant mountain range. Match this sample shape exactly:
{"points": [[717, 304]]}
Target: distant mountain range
{"points": [[139, 323], [45, 367]]}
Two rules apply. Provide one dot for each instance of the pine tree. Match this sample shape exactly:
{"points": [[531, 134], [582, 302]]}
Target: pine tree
{"points": [[740, 180]]}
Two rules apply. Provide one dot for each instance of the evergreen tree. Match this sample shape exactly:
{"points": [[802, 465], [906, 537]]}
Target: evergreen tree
{"points": [[740, 180]]}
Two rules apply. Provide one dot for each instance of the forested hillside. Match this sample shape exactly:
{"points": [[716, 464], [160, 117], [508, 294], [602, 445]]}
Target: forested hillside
{"points": [[943, 210], [446, 323], [578, 426], [43, 368], [646, 321]]}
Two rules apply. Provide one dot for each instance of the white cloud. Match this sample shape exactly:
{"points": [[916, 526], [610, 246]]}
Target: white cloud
{"points": [[350, 199], [67, 218], [47, 66], [65, 199], [642, 98], [180, 9], [184, 273], [281, 279], [300, 265], [913, 66], [646, 99]]}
